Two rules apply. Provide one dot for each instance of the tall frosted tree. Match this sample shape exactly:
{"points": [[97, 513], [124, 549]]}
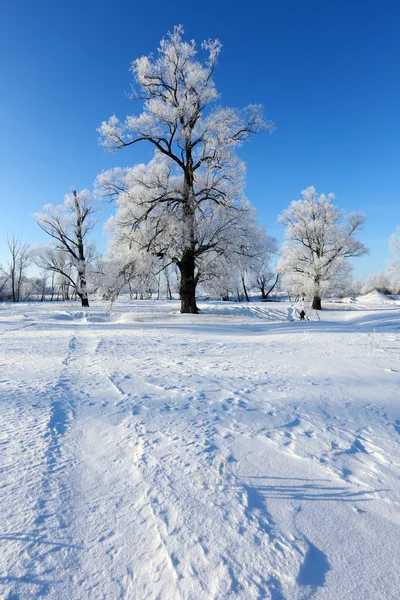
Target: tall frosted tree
{"points": [[194, 179], [319, 242]]}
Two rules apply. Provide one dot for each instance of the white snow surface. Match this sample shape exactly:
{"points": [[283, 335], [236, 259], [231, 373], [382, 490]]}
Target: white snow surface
{"points": [[233, 454]]}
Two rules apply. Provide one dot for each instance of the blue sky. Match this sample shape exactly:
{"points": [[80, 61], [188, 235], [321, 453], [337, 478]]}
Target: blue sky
{"points": [[327, 73]]}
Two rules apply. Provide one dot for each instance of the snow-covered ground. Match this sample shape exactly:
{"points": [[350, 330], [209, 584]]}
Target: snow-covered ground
{"points": [[233, 454]]}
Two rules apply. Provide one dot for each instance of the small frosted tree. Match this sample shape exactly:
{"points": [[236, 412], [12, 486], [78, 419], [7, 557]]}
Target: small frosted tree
{"points": [[126, 268], [355, 288], [14, 273], [194, 173], [318, 244], [4, 278], [68, 225], [377, 282], [395, 247], [239, 265], [220, 276], [254, 259], [267, 280]]}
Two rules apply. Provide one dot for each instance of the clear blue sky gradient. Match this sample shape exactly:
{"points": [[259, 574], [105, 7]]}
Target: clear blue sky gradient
{"points": [[327, 72]]}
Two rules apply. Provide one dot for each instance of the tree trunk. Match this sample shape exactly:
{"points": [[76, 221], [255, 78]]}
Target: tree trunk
{"points": [[19, 282], [245, 290], [187, 264], [83, 289], [272, 287], [316, 305], [52, 286], [187, 287], [81, 254], [14, 295]]}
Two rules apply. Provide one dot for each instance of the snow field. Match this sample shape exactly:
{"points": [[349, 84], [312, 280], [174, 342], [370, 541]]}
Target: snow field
{"points": [[233, 454]]}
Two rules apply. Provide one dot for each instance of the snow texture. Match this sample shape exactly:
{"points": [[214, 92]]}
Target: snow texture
{"points": [[233, 454]]}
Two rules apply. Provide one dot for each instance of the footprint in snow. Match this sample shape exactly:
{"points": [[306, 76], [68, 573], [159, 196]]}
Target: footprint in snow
{"points": [[314, 568]]}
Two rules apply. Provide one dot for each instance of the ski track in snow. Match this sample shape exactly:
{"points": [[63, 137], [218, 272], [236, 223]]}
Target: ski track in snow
{"points": [[147, 454]]}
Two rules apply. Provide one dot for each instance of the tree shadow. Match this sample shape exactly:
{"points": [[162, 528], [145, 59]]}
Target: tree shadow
{"points": [[316, 490], [40, 540], [31, 578], [28, 579]]}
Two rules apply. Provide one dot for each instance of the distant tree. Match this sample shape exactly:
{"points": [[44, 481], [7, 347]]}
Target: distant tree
{"points": [[377, 282], [395, 287], [249, 255], [41, 285], [354, 288], [127, 269], [243, 254], [258, 270], [180, 205], [3, 282], [170, 280], [68, 225], [395, 247], [267, 281], [221, 277], [317, 246], [13, 274]]}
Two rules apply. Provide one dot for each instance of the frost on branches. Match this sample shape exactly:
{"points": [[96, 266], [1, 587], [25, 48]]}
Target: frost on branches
{"points": [[394, 264], [185, 202], [318, 245], [246, 263], [378, 282], [13, 274], [68, 225], [128, 269]]}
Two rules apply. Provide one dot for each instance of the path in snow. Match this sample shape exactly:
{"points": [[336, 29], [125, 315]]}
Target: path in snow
{"points": [[154, 455]]}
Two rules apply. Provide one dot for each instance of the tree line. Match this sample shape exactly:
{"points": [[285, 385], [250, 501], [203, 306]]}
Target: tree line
{"points": [[182, 220]]}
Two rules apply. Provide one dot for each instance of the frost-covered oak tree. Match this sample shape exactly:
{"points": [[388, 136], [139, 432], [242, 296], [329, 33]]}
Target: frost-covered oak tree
{"points": [[181, 204], [318, 244], [68, 225]]}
